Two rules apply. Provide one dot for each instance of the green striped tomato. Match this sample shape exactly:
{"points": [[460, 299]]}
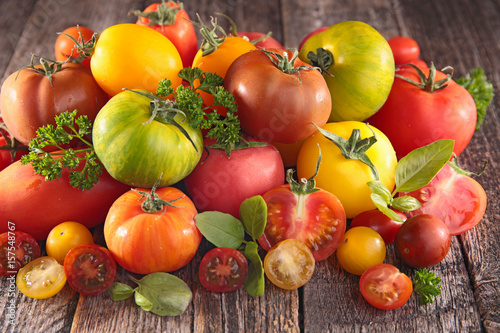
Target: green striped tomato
{"points": [[361, 73], [136, 152]]}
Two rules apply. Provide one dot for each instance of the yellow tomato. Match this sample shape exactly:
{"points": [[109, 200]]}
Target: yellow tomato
{"points": [[41, 278], [135, 57], [347, 178], [66, 236]]}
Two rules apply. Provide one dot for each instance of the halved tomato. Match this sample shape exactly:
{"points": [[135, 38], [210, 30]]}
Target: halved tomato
{"points": [[41, 278]]}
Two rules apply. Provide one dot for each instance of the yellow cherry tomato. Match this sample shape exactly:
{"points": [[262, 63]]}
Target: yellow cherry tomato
{"points": [[66, 236], [41, 278], [347, 178]]}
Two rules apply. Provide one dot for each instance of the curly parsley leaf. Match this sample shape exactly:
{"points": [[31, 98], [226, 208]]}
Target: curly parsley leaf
{"points": [[426, 284]]}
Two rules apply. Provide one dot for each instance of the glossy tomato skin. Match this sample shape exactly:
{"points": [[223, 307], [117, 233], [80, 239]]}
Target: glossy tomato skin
{"points": [[17, 249], [293, 102], [422, 241], [55, 201], [266, 43], [379, 222], [134, 56], [412, 117], [458, 200], [346, 178], [220, 183], [385, 287], [137, 153], [28, 100], [223, 270], [310, 34], [65, 236], [405, 49], [317, 219], [5, 155], [144, 242], [363, 68], [65, 47], [181, 33]]}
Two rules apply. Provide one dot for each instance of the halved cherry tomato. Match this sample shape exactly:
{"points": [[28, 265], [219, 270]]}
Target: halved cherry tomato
{"points": [[90, 269], [41, 278], [385, 287], [223, 270], [65, 236], [379, 222], [17, 249]]}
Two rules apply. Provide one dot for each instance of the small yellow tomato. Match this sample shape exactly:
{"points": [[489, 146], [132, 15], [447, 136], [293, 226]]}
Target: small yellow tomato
{"points": [[66, 236], [41, 278]]}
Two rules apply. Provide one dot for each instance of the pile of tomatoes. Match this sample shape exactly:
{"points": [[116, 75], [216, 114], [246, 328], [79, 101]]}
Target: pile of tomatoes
{"points": [[283, 97]]}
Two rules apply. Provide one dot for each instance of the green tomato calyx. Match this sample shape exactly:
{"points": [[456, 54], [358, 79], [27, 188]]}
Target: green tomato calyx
{"points": [[49, 67], [163, 15], [322, 59], [281, 61], [427, 83], [211, 40], [241, 144], [306, 186], [153, 203], [85, 48], [234, 30]]}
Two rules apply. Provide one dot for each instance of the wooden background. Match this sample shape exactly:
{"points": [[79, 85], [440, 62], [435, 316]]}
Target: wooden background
{"points": [[461, 33]]}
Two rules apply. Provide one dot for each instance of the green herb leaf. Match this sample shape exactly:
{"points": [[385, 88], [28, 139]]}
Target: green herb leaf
{"points": [[143, 302], [221, 229], [406, 204], [253, 213], [120, 291], [255, 283], [426, 284]]}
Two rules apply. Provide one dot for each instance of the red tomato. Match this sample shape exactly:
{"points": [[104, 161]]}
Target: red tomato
{"points": [[17, 248], [405, 49], [55, 201], [417, 62], [413, 117], [312, 33], [385, 287], [458, 200], [422, 241], [90, 269], [379, 222], [65, 46], [145, 240], [172, 21], [6, 147], [220, 183], [29, 101], [292, 101], [223, 270], [265, 43]]}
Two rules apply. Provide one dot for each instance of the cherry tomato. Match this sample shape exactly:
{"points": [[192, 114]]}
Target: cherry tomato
{"points": [[41, 278], [17, 249], [223, 270], [422, 241], [90, 269], [405, 49], [360, 248], [385, 287], [379, 222], [65, 46], [64, 237]]}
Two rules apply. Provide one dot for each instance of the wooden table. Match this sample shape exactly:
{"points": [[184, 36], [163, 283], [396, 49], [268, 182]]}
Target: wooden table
{"points": [[461, 33]]}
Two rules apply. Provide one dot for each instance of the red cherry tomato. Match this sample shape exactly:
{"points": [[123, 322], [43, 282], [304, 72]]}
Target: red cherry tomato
{"points": [[405, 49], [223, 270], [6, 147], [17, 248], [379, 222], [65, 46]]}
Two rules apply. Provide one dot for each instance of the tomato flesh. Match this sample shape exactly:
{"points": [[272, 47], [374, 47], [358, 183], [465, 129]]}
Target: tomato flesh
{"points": [[16, 250], [41, 278], [223, 270]]}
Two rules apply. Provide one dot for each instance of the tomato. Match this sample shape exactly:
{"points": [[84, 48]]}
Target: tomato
{"points": [[294, 99], [359, 68], [65, 236], [457, 199], [289, 152], [172, 21], [156, 239], [64, 47], [55, 201], [41, 278], [134, 56], [414, 116], [379, 222], [17, 249], [263, 42], [347, 178], [405, 49], [137, 151], [289, 264], [310, 34], [422, 241], [360, 248], [10, 151], [223, 270], [385, 287], [220, 183], [90, 269], [29, 101], [417, 62]]}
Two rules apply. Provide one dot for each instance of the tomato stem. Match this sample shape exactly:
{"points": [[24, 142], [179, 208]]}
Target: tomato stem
{"points": [[281, 61], [85, 49], [211, 41], [234, 30], [164, 14], [323, 60], [427, 83], [153, 203]]}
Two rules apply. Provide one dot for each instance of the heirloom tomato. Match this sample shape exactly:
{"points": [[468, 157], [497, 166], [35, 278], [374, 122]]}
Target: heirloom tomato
{"points": [[357, 64], [17, 248], [133, 56], [221, 183], [31, 99], [41, 278], [295, 95], [427, 110], [65, 47], [347, 178], [385, 287], [137, 150], [223, 269], [54, 201], [152, 230], [172, 21], [405, 49], [65, 236], [379, 222], [312, 33]]}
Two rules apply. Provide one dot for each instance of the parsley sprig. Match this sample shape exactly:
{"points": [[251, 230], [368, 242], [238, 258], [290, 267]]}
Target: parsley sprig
{"points": [[426, 284]]}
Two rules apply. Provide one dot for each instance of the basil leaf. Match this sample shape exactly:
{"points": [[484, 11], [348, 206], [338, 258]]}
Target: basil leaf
{"points": [[255, 283], [143, 302], [221, 229], [382, 193], [417, 169], [406, 204], [253, 213], [120, 291]]}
